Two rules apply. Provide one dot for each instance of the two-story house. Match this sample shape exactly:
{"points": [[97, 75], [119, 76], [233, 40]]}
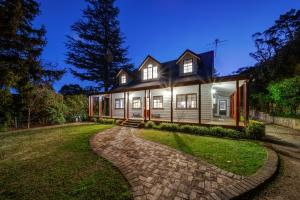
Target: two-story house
{"points": [[184, 90]]}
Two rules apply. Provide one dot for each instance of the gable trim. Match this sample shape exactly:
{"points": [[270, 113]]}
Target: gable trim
{"points": [[186, 52], [146, 59]]}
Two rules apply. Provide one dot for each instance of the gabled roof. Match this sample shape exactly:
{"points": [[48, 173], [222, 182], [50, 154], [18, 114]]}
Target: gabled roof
{"points": [[146, 59], [125, 71], [184, 53]]}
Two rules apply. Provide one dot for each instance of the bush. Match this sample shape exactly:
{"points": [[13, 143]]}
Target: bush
{"points": [[255, 130], [142, 124], [119, 122], [106, 121], [150, 124], [169, 127]]}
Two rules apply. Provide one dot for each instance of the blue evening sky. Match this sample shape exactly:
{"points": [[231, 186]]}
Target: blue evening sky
{"points": [[165, 28]]}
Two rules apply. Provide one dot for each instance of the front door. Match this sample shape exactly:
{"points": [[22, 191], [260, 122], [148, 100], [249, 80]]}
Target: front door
{"points": [[223, 107]]}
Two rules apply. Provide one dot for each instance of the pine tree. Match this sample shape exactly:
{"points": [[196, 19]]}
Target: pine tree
{"points": [[97, 50], [21, 45]]}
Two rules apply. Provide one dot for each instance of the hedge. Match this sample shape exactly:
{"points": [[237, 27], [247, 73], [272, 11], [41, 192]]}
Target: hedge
{"points": [[255, 130], [203, 130]]}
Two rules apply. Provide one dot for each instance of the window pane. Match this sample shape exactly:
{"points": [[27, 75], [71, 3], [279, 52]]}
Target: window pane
{"points": [[155, 72], [123, 79], [191, 101], [136, 102], [150, 71], [188, 66], [157, 102], [119, 103], [145, 74], [180, 100]]}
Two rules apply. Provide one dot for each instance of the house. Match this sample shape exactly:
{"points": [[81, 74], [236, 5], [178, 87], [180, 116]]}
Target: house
{"points": [[184, 90]]}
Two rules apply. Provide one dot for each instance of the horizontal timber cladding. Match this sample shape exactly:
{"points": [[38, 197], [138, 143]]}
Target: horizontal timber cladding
{"points": [[185, 115], [164, 113], [117, 112], [206, 102], [136, 113]]}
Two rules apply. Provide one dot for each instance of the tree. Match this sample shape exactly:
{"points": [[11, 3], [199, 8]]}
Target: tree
{"points": [[96, 49], [71, 89], [77, 107], [21, 46]]}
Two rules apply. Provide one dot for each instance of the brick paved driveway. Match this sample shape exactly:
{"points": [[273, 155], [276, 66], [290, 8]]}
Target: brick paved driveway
{"points": [[155, 171]]}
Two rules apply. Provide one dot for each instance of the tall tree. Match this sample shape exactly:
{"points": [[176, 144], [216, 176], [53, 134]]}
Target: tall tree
{"points": [[97, 49], [21, 45]]}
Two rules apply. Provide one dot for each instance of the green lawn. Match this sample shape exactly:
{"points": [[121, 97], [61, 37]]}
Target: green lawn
{"points": [[239, 157], [57, 163]]}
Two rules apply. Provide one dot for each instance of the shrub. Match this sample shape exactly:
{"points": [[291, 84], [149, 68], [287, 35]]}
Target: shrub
{"points": [[106, 121], [169, 127], [187, 129], [142, 124], [255, 129], [150, 124], [119, 122]]}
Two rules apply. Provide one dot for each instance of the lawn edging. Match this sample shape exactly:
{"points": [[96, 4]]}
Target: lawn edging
{"points": [[252, 182]]}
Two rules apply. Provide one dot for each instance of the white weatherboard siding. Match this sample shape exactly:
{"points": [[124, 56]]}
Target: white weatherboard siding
{"points": [[136, 113], [163, 114], [117, 113], [206, 102], [186, 115]]}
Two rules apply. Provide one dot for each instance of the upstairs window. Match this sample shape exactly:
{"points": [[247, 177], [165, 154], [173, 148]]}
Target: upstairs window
{"points": [[119, 103], [150, 72], [157, 102], [188, 66], [136, 103], [123, 79]]}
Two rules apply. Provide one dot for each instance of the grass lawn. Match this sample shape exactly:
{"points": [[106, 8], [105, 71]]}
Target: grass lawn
{"points": [[240, 157], [57, 163]]}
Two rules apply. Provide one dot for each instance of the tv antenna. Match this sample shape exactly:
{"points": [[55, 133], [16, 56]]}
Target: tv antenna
{"points": [[217, 42]]}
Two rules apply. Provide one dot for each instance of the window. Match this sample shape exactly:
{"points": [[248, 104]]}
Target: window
{"points": [[191, 101], [186, 101], [188, 66], [119, 103], [157, 102], [181, 101], [123, 79], [150, 72], [136, 103]]}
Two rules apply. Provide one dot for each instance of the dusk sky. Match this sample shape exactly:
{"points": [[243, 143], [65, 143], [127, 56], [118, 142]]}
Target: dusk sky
{"points": [[165, 28]]}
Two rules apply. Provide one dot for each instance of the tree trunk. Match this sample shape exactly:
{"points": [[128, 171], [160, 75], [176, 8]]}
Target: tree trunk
{"points": [[28, 118]]}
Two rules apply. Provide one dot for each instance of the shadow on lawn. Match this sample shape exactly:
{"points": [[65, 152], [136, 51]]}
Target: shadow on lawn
{"points": [[182, 146]]}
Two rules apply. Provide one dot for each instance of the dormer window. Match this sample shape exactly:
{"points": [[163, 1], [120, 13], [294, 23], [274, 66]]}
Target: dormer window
{"points": [[150, 72], [188, 66], [123, 79]]}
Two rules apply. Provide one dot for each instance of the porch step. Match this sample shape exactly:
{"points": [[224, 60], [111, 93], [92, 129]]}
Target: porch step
{"points": [[132, 123]]}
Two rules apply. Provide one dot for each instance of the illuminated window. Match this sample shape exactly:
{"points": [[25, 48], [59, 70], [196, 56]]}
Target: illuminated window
{"points": [[191, 101], [119, 103], [136, 103], [181, 101], [157, 102], [186, 101], [150, 72], [123, 79], [188, 66]]}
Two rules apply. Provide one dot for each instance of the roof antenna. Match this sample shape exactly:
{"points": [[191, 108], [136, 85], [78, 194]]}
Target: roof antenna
{"points": [[217, 42]]}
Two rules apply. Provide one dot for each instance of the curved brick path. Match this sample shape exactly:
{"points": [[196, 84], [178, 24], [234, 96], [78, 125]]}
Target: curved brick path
{"points": [[157, 172]]}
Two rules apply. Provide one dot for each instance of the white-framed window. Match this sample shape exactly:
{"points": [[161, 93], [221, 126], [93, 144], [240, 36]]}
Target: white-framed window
{"points": [[136, 103], [150, 72], [186, 101], [123, 79], [188, 66], [157, 102], [119, 103]]}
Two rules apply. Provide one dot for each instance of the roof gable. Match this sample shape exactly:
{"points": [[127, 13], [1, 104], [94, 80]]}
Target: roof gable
{"points": [[185, 53], [149, 57]]}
